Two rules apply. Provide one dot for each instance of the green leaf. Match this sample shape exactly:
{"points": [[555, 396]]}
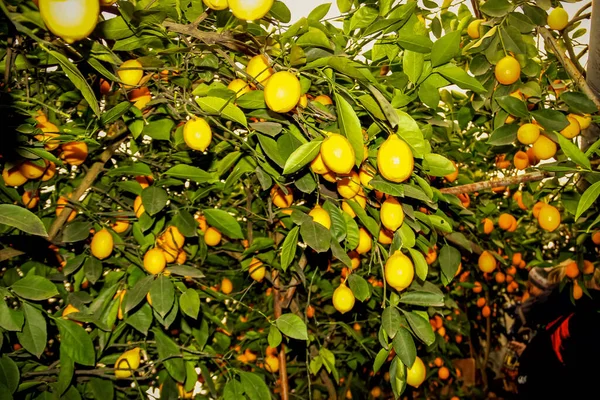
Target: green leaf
{"points": [[269, 146], [318, 14], [418, 43], [380, 359], [99, 388], [115, 113], [344, 5], [291, 325], [274, 337], [338, 252], [405, 347], [513, 106], [573, 152], [412, 65], [224, 222], [362, 18], [281, 12], [437, 165], [34, 335], [34, 287], [224, 108], [233, 390], [76, 231], [338, 223], [359, 286], [93, 269], [114, 29], [185, 270], [579, 102], [350, 127], [550, 120], [407, 235], [10, 320], [135, 169], [369, 223], [369, 103], [316, 236], [314, 38], [138, 293], [460, 77], [397, 377], [409, 131], [162, 293], [22, 219], [159, 129], [302, 156], [504, 135], [425, 299], [154, 199], [192, 173], [449, 260], [444, 49], [252, 101], [390, 319], [288, 249], [169, 351], [254, 386], [141, 319], [421, 327], [189, 303], [9, 374], [496, 8], [588, 198], [65, 375], [387, 187], [76, 342], [421, 266]]}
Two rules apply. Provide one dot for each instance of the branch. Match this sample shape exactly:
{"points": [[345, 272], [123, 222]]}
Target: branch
{"points": [[571, 51], [568, 65], [476, 10], [511, 180], [283, 376], [224, 39], [328, 384]]}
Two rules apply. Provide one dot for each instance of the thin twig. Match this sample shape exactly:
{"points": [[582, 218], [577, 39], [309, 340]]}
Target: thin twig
{"points": [[511, 180], [476, 10], [283, 376]]}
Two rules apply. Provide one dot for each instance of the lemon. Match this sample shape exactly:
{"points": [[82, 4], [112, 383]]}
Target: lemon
{"points": [[173, 238], [521, 160], [181, 257], [508, 70], [49, 172], [320, 216], [257, 270], [272, 363], [349, 186], [155, 261], [549, 218], [130, 73], [128, 361], [31, 170], [30, 199], [216, 4], [280, 199], [303, 102], [258, 68], [399, 271], [416, 374], [318, 166], [365, 241], [473, 29], [102, 244], [282, 92], [584, 120], [558, 19], [323, 99], [452, 176], [366, 174], [360, 198], [338, 154], [69, 309], [197, 134], [544, 148], [528, 133], [395, 160], [60, 205], [486, 262], [571, 130], [138, 206], [250, 10], [226, 286], [212, 236], [391, 214], [169, 253], [49, 131], [343, 299], [71, 20], [120, 225], [239, 86], [74, 153], [13, 177], [385, 236]]}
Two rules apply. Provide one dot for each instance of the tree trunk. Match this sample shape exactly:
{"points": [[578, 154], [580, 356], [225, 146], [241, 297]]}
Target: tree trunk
{"points": [[592, 134]]}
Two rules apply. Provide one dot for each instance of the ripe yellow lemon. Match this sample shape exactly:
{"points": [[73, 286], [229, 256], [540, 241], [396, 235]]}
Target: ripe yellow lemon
{"points": [[366, 174], [452, 177], [102, 244], [508, 70], [473, 29], [360, 198], [71, 20], [528, 133], [584, 120], [69, 309], [391, 214], [258, 68], [272, 363], [303, 102], [573, 129], [385, 236], [544, 148], [320, 216], [173, 238], [318, 166], [486, 262], [558, 19], [120, 225], [488, 226], [239, 86], [250, 10], [549, 218], [138, 206], [49, 172], [282, 92], [395, 160], [280, 199], [74, 153], [216, 4], [323, 99], [155, 261], [226, 286], [415, 375], [31, 170], [399, 271], [212, 236], [338, 154], [197, 134], [349, 186], [130, 73], [30, 199], [128, 361], [13, 177], [60, 205], [521, 160], [257, 270], [365, 241], [343, 299]]}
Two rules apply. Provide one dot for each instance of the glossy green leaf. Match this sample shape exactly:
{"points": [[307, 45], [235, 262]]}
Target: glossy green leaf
{"points": [[405, 347], [76, 342], [154, 199], [359, 286], [302, 156], [22, 219], [291, 325], [350, 127], [34, 335], [588, 198], [34, 287], [288, 249], [224, 222], [222, 107]]}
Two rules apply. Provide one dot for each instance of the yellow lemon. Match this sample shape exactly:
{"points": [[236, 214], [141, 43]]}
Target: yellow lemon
{"points": [[416, 374], [120, 225], [138, 206], [128, 361], [60, 205], [282, 92], [366, 174], [323, 99], [544, 148], [486, 262], [212, 236], [508, 70], [573, 129], [303, 102], [173, 238], [130, 73], [272, 363], [30, 199], [549, 218], [74, 153], [216, 4], [226, 286], [399, 271], [528, 133], [250, 10], [391, 214], [584, 120], [70, 309], [257, 270], [102, 244], [320, 216], [258, 68], [385, 236], [360, 198], [71, 20], [13, 177], [280, 199], [338, 154], [239, 86], [365, 241], [31, 170], [473, 29], [318, 166], [197, 134], [343, 298], [349, 186], [395, 160], [155, 261], [558, 19]]}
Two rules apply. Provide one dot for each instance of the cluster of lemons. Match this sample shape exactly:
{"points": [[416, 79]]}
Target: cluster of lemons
{"points": [[168, 249]]}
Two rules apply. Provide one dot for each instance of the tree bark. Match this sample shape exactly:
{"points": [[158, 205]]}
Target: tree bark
{"points": [[511, 180], [284, 385]]}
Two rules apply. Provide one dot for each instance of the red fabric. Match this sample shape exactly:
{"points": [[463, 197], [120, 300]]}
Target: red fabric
{"points": [[559, 334]]}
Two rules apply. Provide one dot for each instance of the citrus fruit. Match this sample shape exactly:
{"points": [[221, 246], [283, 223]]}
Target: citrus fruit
{"points": [[528, 133], [130, 73], [71, 20], [354, 259], [465, 200], [343, 299], [60, 205], [197, 134], [596, 238], [473, 29], [415, 375], [365, 241], [480, 302], [395, 160], [506, 221], [310, 311], [349, 186], [517, 258], [102, 244], [577, 291], [31, 170], [521, 160], [140, 97], [452, 177], [444, 372], [138, 206], [258, 68], [74, 153], [155, 261], [280, 199], [477, 288], [391, 214], [485, 311], [488, 226], [13, 177], [257, 270], [318, 166], [120, 225], [588, 267], [431, 256], [518, 197], [239, 86], [584, 120], [50, 131], [558, 19], [282, 92], [173, 238], [507, 70], [544, 148], [399, 271], [376, 392], [500, 277], [129, 360], [438, 362], [216, 4], [70, 309], [572, 270], [250, 10], [320, 216], [272, 363], [323, 99], [303, 102], [536, 208], [385, 236], [366, 174], [338, 154], [30, 199], [212, 236], [486, 262], [226, 286], [549, 218], [571, 130], [49, 172]]}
